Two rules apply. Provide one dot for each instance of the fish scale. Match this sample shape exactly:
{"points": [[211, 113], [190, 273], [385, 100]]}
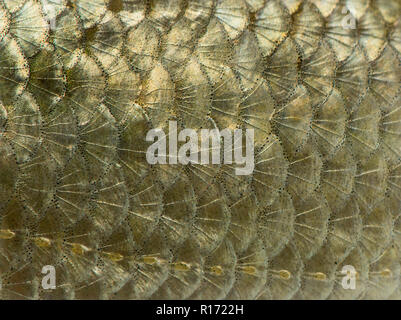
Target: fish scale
{"points": [[81, 82]]}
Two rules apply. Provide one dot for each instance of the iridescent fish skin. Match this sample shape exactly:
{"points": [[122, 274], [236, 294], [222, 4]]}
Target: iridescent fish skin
{"points": [[83, 81]]}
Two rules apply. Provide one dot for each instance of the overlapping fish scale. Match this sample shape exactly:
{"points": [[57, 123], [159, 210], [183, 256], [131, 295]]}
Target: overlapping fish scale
{"points": [[293, 117], [157, 96], [342, 39], [212, 219], [390, 11], [80, 254], [105, 40], [84, 94], [326, 7], [304, 170], [318, 73], [362, 128], [14, 70], [199, 13], [163, 14], [149, 268], [393, 191], [179, 208], [131, 12], [254, 5], [371, 181], [20, 284], [242, 228], [233, 16], [352, 78], [329, 124], [90, 12], [9, 171], [337, 178], [51, 9], [4, 20], [376, 231], [36, 183], [256, 109], [318, 276], [281, 70], [99, 152], [109, 201], [185, 274], [205, 176], [66, 37], [73, 190], [389, 129], [29, 27], [276, 224], [226, 99], [83, 82], [344, 229], [270, 172], [123, 88], [60, 133], [47, 81], [193, 95], [13, 235], [13, 5], [23, 128], [307, 29], [395, 36], [131, 153], [250, 272], [384, 274], [271, 25], [385, 73], [214, 49], [357, 8], [44, 244], [142, 46], [219, 272], [372, 33], [311, 222], [284, 274], [180, 41], [247, 60], [145, 209]]}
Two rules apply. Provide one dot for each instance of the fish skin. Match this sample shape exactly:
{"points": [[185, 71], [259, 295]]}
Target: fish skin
{"points": [[83, 81]]}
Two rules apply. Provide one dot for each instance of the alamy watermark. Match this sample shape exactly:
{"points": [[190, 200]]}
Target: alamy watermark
{"points": [[49, 280], [202, 147], [349, 280], [50, 13], [349, 21]]}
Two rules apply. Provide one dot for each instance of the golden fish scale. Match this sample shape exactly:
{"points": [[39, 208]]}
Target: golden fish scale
{"points": [[82, 81]]}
